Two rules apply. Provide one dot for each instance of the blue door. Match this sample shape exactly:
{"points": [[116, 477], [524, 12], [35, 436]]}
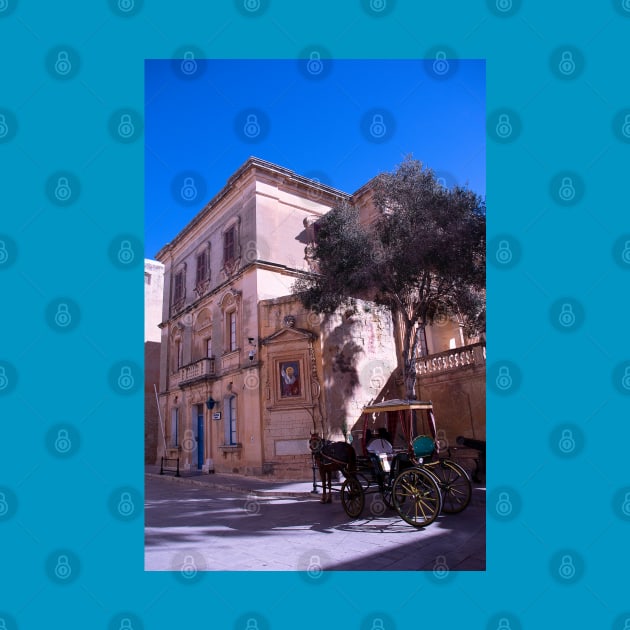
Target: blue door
{"points": [[200, 448]]}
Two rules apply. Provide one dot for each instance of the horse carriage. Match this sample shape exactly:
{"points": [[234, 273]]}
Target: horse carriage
{"points": [[397, 461]]}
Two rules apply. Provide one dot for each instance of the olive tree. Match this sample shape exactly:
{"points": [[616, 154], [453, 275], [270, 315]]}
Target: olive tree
{"points": [[422, 257]]}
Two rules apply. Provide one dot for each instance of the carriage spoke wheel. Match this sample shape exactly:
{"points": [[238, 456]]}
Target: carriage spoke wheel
{"points": [[454, 484], [352, 497], [416, 496]]}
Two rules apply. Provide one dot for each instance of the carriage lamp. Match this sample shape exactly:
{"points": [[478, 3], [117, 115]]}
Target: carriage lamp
{"points": [[210, 403], [251, 355]]}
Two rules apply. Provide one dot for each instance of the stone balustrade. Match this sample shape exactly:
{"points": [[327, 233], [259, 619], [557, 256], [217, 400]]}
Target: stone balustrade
{"points": [[198, 370], [453, 359]]}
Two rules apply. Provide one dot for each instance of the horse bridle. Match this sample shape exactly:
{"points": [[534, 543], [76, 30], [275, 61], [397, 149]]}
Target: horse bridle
{"points": [[316, 444]]}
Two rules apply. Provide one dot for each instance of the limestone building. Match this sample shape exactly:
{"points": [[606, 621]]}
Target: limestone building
{"points": [[246, 373]]}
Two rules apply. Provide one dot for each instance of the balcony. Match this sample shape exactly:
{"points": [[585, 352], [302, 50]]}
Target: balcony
{"points": [[454, 359], [201, 370]]}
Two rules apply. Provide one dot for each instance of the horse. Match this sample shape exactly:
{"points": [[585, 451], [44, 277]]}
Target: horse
{"points": [[329, 457]]}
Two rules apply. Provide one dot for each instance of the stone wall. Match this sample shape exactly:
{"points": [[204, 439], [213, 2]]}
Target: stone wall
{"points": [[359, 358], [151, 418], [459, 401]]}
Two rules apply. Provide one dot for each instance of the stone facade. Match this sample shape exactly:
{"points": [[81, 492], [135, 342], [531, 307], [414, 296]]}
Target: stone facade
{"points": [[246, 373]]}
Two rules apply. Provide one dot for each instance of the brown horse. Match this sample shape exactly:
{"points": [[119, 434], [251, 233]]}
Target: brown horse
{"points": [[330, 457]]}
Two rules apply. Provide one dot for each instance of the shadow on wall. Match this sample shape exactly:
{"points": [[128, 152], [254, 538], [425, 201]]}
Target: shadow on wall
{"points": [[358, 370]]}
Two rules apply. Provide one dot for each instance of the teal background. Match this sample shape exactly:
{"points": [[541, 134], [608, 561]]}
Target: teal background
{"points": [[566, 251]]}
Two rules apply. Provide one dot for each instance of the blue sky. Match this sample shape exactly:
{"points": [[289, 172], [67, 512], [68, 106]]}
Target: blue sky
{"points": [[338, 121]]}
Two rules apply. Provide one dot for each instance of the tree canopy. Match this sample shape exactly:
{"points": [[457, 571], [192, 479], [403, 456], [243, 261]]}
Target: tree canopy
{"points": [[422, 255]]}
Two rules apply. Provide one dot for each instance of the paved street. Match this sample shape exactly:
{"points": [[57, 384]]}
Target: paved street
{"points": [[195, 527]]}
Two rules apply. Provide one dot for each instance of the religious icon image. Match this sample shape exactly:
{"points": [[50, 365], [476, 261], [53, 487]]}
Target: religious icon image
{"points": [[289, 379]]}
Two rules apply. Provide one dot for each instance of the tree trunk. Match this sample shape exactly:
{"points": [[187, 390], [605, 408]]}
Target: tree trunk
{"points": [[409, 337]]}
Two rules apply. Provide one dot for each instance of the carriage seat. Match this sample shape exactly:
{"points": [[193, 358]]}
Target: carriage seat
{"points": [[381, 451]]}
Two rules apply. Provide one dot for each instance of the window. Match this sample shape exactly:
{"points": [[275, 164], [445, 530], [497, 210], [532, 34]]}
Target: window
{"points": [[203, 268], [179, 350], [178, 289], [229, 245], [208, 347], [174, 427], [230, 324], [230, 421], [147, 278], [232, 327]]}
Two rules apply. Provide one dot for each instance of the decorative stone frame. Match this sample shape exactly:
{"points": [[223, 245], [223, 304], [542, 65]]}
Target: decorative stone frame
{"points": [[231, 303], [202, 330], [290, 344], [176, 337], [277, 400]]}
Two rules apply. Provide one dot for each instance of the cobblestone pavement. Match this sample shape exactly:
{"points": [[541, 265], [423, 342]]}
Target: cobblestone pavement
{"points": [[198, 524]]}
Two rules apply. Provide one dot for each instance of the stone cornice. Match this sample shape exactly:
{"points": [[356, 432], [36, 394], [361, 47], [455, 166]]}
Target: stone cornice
{"points": [[236, 180]]}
